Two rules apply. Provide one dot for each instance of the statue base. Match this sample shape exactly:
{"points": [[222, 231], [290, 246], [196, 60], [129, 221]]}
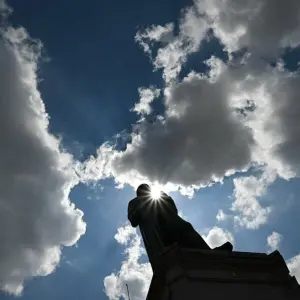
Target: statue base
{"points": [[180, 274]]}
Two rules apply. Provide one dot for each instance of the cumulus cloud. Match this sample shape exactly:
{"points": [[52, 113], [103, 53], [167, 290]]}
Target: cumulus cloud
{"points": [[262, 26], [125, 234], [162, 34], [198, 141], [180, 149], [147, 95], [36, 217], [135, 274], [273, 240], [247, 190], [210, 127], [218, 236], [174, 49], [294, 266]]}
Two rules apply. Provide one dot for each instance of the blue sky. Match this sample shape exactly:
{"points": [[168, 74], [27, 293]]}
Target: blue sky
{"points": [[98, 97]]}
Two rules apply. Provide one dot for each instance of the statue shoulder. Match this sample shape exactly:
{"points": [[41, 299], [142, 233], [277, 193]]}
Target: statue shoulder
{"points": [[133, 203], [170, 202]]}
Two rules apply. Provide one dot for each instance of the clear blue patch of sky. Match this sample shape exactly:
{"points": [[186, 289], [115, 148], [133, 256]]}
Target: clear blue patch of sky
{"points": [[291, 59]]}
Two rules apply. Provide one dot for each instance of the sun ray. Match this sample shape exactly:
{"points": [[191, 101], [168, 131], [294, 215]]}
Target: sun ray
{"points": [[155, 192]]}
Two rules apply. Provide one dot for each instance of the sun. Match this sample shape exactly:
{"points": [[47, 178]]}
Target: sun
{"points": [[155, 192]]}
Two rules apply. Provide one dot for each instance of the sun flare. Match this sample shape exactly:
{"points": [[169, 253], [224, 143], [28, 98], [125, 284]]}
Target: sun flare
{"points": [[155, 192]]}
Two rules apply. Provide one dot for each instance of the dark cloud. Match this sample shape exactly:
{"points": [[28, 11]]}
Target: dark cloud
{"points": [[201, 139]]}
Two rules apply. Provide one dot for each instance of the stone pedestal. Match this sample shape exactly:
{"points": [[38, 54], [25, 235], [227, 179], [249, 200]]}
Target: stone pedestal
{"points": [[216, 275]]}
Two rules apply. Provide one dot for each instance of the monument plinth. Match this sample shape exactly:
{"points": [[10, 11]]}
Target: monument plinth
{"points": [[180, 273]]}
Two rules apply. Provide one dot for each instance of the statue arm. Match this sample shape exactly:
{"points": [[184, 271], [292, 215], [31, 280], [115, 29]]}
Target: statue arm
{"points": [[133, 214]]}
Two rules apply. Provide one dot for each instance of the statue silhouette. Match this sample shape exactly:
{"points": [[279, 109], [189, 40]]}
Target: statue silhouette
{"points": [[161, 226]]}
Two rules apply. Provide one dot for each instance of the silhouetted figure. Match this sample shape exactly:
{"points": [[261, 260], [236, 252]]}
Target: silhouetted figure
{"points": [[160, 224]]}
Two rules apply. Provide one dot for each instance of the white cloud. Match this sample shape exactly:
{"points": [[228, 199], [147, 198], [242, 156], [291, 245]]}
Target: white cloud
{"points": [[294, 266], [200, 122], [263, 26], [125, 234], [221, 216], [274, 240], [163, 34], [137, 275], [36, 216], [174, 49], [199, 141], [147, 95], [246, 191], [218, 236]]}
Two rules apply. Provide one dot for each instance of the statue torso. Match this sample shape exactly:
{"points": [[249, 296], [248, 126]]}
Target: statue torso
{"points": [[158, 221]]}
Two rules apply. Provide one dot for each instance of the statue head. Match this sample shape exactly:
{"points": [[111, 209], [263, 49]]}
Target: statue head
{"points": [[143, 190]]}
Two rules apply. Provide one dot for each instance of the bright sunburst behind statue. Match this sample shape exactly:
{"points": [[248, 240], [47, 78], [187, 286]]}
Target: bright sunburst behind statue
{"points": [[155, 192]]}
